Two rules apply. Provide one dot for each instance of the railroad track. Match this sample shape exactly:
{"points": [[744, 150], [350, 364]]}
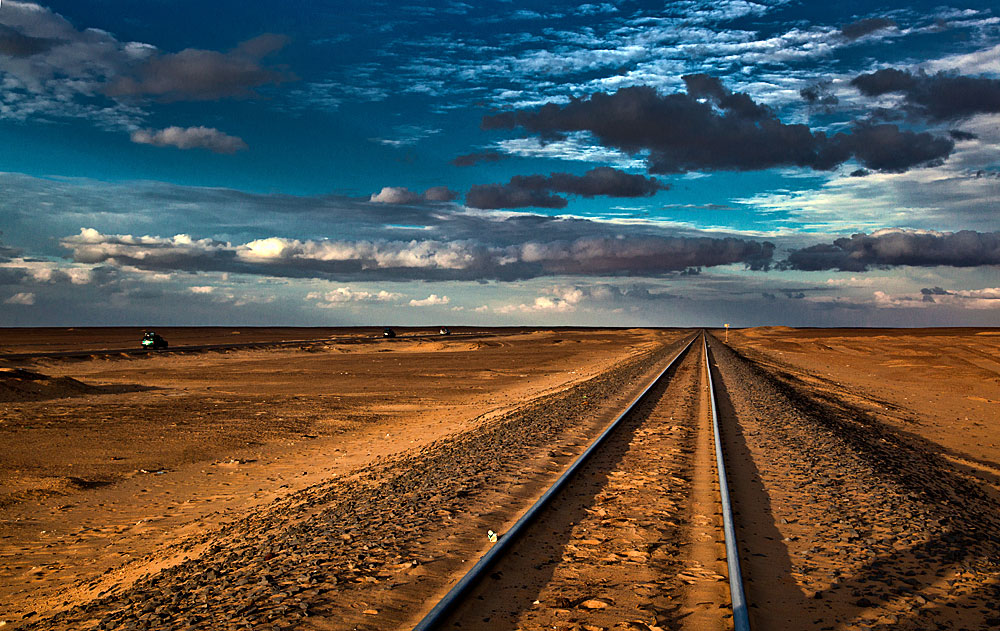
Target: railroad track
{"points": [[635, 531]]}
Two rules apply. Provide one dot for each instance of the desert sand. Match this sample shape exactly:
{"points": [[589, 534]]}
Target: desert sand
{"points": [[332, 479]]}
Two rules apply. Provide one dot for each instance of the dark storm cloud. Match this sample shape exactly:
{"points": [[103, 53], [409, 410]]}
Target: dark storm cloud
{"points": [[7, 252], [14, 43], [958, 134], [887, 248], [929, 293], [710, 128], [536, 190], [203, 75], [866, 27], [819, 94], [940, 96], [440, 194], [493, 196], [471, 159], [887, 148]]}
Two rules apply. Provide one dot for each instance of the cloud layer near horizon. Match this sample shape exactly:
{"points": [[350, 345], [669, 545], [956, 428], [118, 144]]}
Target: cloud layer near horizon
{"points": [[426, 259], [893, 247]]}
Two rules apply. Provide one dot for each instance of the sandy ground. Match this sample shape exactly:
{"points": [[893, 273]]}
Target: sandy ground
{"points": [[865, 477], [150, 451], [59, 339], [940, 385], [347, 484]]}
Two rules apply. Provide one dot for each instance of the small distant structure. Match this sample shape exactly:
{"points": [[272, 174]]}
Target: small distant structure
{"points": [[727, 333], [387, 332], [151, 340]]}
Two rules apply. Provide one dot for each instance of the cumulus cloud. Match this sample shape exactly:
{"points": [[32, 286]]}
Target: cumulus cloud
{"points": [[891, 247], [430, 301], [427, 259], [395, 195], [190, 138], [537, 190], [25, 298], [148, 252], [941, 96], [203, 75], [711, 128], [346, 295], [45, 272], [542, 304], [403, 195], [570, 298]]}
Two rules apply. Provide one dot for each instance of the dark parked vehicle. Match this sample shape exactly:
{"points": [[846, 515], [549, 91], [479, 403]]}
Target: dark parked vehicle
{"points": [[444, 331], [152, 341], [387, 332]]}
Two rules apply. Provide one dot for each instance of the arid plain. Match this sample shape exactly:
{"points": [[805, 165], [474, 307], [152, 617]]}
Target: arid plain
{"points": [[333, 479]]}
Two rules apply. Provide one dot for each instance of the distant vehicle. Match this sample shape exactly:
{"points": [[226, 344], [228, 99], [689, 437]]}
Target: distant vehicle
{"points": [[387, 332], [152, 341], [444, 331]]}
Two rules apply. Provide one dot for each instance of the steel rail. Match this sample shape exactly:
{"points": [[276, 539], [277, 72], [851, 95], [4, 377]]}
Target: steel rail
{"points": [[741, 620], [439, 613]]}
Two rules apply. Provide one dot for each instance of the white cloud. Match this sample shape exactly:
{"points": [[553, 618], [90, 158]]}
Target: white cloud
{"points": [[985, 61], [430, 301], [559, 299], [21, 298], [90, 246], [201, 289], [855, 281], [455, 255], [576, 146], [987, 298], [345, 295], [403, 195], [395, 195], [190, 138]]}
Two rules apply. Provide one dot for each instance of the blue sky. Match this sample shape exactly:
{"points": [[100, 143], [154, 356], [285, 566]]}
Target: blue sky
{"points": [[628, 163]]}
